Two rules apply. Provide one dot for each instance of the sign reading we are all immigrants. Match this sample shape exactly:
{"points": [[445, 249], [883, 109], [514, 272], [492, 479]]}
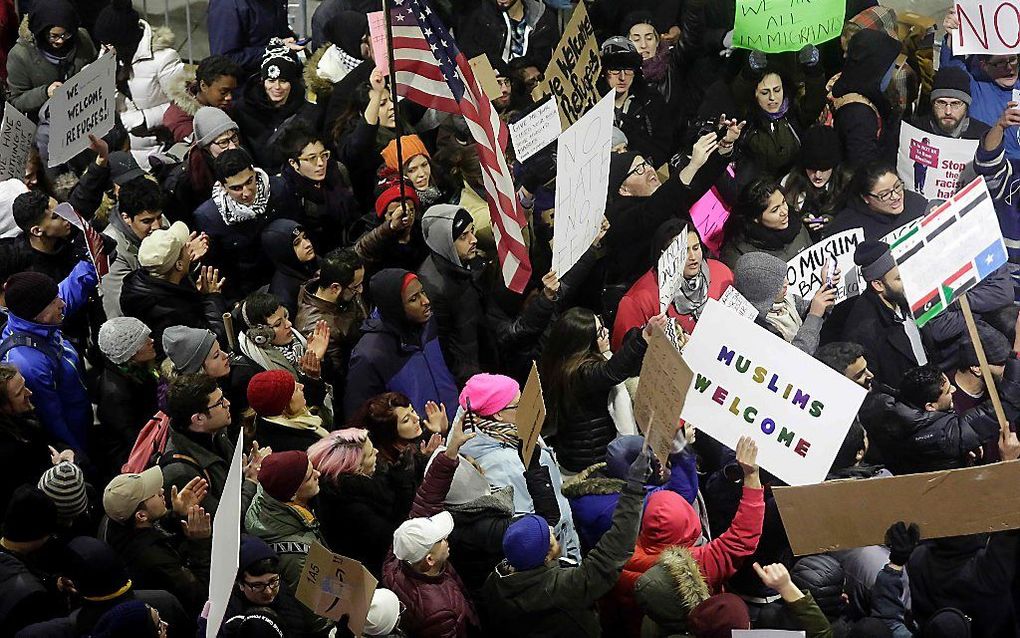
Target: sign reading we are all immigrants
{"points": [[774, 26]]}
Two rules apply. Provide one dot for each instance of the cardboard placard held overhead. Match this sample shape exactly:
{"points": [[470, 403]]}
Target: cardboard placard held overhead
{"points": [[377, 38], [530, 414], [332, 586], [574, 68], [17, 133], [662, 388], [855, 513], [774, 26], [82, 105], [486, 76]]}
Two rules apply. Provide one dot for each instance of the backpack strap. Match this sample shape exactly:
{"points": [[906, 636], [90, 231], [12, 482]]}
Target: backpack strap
{"points": [[22, 339], [177, 457]]}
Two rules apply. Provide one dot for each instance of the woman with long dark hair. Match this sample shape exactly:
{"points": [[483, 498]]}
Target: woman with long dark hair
{"points": [[815, 188], [761, 222]]}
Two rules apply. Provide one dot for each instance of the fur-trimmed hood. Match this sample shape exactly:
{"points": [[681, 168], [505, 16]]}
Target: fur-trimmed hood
{"points": [[180, 91], [154, 39], [318, 88], [592, 480], [24, 33], [671, 589]]}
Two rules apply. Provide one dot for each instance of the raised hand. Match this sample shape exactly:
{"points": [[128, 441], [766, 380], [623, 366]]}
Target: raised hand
{"points": [[436, 420], [427, 448], [189, 497], [310, 365], [253, 461], [747, 458], [198, 524], [318, 342], [209, 281], [458, 437]]}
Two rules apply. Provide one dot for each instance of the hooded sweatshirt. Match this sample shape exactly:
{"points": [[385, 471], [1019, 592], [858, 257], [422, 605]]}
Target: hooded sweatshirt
{"points": [[278, 243]]}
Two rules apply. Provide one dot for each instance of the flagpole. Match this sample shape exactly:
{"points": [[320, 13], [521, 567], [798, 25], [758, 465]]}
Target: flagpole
{"points": [[393, 98]]}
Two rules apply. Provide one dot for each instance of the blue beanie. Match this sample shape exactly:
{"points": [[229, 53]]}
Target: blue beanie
{"points": [[253, 549], [126, 620], [526, 542], [621, 453]]}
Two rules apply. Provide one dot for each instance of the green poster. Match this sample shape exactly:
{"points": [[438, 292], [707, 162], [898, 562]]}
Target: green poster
{"points": [[774, 26]]}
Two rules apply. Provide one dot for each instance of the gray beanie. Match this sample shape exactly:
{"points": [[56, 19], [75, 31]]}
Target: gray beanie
{"points": [[187, 347], [64, 484], [210, 123], [121, 337], [759, 277]]}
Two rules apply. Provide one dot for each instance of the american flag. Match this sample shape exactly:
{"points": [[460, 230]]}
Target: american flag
{"points": [[93, 240], [433, 72]]}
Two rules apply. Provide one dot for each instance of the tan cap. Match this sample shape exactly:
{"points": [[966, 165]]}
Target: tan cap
{"points": [[126, 492], [161, 250]]}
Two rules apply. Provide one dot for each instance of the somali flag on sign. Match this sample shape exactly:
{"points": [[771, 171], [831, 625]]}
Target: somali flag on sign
{"points": [[991, 258]]}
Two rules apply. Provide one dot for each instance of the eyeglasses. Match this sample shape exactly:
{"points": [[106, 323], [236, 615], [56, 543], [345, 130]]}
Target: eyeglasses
{"points": [[1004, 63], [224, 144], [949, 105], [315, 159], [885, 196], [60, 37], [616, 73], [273, 583], [639, 169], [221, 403]]}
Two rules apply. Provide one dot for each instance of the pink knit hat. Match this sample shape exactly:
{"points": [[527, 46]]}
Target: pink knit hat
{"points": [[489, 393]]}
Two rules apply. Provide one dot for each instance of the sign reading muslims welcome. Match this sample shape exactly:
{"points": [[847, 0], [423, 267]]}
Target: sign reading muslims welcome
{"points": [[748, 381], [774, 26]]}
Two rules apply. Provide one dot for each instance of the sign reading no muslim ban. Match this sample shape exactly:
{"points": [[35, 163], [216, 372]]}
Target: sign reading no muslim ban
{"points": [[574, 68], [802, 272], [83, 105], [952, 249], [774, 26], [748, 381], [16, 135], [987, 26], [931, 164]]}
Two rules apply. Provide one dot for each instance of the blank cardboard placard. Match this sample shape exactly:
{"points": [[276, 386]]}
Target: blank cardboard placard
{"points": [[856, 513], [662, 388], [226, 544], [530, 413], [332, 586], [486, 77]]}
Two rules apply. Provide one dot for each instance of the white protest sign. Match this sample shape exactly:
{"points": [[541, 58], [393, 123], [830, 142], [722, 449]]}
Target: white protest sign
{"points": [[17, 133], [84, 104], [931, 164], [536, 130], [670, 270], [950, 251], [748, 381], [226, 544], [802, 271], [739, 304], [986, 26], [582, 179]]}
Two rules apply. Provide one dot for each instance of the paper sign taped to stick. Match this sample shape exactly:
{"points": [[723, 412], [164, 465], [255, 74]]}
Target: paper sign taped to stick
{"points": [[332, 586], [670, 270], [530, 413], [536, 130], [377, 38], [582, 179], [83, 105], [802, 271], [931, 164], [660, 394], [226, 544], [855, 513], [709, 214], [739, 304], [774, 26], [987, 26], [574, 68], [748, 381], [485, 75], [950, 251], [17, 133]]}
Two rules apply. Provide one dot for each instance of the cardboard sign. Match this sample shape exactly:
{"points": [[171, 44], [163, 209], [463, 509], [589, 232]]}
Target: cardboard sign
{"points": [[226, 544], [987, 26], [739, 304], [670, 270], [332, 585], [952, 249], [17, 133], [530, 413], [855, 513], [660, 394], [574, 68], [709, 214], [774, 26], [536, 130], [802, 271], [377, 39], [748, 381], [84, 104], [582, 179], [486, 76], [932, 164]]}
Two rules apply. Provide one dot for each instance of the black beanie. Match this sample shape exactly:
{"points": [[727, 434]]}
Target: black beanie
{"points": [[819, 148], [30, 516], [874, 259], [619, 166], [279, 62], [461, 221], [98, 572], [26, 294], [996, 345], [52, 13], [117, 24], [953, 83]]}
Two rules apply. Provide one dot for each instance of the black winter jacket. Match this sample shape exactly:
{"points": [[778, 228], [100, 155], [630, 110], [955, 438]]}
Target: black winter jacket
{"points": [[873, 325], [161, 304], [484, 31], [258, 120], [126, 403]]}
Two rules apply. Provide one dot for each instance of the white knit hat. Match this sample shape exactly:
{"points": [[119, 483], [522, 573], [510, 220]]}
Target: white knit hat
{"points": [[121, 337]]}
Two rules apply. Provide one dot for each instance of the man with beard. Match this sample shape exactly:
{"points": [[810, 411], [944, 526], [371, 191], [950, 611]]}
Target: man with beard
{"points": [[950, 107], [880, 319]]}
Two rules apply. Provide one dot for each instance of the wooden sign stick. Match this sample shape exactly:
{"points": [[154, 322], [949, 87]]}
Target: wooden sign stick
{"points": [[986, 372]]}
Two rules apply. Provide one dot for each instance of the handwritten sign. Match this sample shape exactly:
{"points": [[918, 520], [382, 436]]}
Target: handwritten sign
{"points": [[226, 545], [536, 130], [739, 304], [17, 133], [83, 105], [987, 26], [530, 413], [709, 214], [802, 271], [574, 69], [774, 26], [670, 270], [582, 179], [332, 586], [748, 381], [377, 39], [931, 164], [661, 390]]}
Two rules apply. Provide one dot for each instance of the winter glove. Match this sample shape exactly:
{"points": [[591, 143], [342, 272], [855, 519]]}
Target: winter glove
{"points": [[757, 61], [809, 55], [901, 541], [641, 468]]}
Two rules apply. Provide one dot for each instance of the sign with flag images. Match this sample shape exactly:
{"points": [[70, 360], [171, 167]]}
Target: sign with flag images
{"points": [[949, 252]]}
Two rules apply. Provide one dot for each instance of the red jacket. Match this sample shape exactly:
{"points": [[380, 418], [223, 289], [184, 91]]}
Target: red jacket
{"points": [[641, 302], [670, 521], [437, 606]]}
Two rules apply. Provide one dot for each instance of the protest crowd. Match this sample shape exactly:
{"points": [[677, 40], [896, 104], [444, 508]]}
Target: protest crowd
{"points": [[295, 343]]}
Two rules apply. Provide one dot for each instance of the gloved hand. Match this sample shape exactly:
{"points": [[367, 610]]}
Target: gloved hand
{"points": [[901, 541], [641, 468], [809, 55], [757, 61]]}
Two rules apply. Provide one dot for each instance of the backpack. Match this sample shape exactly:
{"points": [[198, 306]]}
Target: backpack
{"points": [[149, 449], [23, 339]]}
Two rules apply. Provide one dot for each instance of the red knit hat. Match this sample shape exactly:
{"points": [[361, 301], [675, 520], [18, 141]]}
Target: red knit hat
{"points": [[282, 473], [392, 194], [718, 616], [270, 391]]}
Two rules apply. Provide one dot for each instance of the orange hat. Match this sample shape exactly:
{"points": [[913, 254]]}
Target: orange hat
{"points": [[410, 145]]}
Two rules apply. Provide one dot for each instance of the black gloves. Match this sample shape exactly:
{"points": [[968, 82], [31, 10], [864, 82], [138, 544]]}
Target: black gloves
{"points": [[641, 468], [901, 541]]}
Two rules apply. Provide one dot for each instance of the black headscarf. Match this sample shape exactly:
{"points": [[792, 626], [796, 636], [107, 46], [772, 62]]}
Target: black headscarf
{"points": [[49, 14]]}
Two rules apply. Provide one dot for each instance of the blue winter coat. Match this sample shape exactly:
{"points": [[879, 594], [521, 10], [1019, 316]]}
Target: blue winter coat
{"points": [[988, 99], [58, 391], [1003, 178], [241, 29]]}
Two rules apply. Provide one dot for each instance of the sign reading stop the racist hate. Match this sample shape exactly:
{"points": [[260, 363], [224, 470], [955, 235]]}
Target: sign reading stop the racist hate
{"points": [[931, 164], [748, 381]]}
